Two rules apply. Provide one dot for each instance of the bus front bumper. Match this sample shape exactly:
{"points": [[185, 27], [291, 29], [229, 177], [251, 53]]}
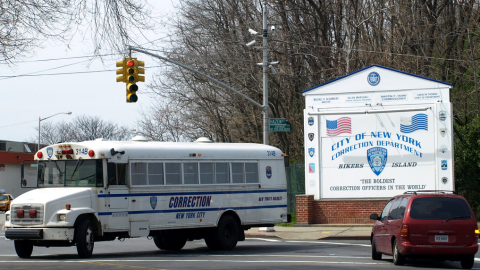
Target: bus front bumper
{"points": [[39, 233]]}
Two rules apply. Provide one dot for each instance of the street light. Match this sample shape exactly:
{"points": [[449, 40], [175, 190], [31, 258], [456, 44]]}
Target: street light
{"points": [[41, 119]]}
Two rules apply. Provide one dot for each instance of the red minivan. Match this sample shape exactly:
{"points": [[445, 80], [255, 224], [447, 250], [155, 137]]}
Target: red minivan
{"points": [[426, 224]]}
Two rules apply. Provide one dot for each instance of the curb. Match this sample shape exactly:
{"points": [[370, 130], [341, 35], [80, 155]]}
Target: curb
{"points": [[261, 235], [333, 225], [273, 236], [357, 237]]}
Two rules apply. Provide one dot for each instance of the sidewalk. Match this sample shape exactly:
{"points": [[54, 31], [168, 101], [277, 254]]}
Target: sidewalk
{"points": [[315, 232]]}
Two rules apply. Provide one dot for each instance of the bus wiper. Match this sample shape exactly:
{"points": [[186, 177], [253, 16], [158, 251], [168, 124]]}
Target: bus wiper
{"points": [[56, 165], [76, 167], [457, 217]]}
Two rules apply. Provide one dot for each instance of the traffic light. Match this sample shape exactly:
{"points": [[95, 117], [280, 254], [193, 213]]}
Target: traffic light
{"points": [[131, 68], [121, 71]]}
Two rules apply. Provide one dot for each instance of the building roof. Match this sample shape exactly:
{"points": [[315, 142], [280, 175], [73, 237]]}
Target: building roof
{"points": [[404, 80]]}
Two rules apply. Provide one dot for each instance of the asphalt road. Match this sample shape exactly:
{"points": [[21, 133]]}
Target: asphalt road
{"points": [[141, 253]]}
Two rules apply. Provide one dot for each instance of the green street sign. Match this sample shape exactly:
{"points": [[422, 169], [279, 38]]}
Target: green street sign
{"points": [[279, 127], [278, 121]]}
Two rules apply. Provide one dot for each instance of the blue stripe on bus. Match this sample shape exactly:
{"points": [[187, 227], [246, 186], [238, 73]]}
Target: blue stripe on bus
{"points": [[189, 193], [190, 210]]}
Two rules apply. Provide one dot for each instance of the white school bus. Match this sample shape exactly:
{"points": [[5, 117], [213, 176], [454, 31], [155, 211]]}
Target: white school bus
{"points": [[173, 192]]}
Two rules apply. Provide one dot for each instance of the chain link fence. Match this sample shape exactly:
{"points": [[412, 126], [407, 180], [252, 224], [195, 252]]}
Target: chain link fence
{"points": [[295, 184]]}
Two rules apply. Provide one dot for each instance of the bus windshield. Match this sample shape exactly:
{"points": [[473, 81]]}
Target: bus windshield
{"points": [[70, 173]]}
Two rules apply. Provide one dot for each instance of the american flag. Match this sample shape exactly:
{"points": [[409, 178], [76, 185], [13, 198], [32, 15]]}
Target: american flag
{"points": [[416, 122], [339, 126]]}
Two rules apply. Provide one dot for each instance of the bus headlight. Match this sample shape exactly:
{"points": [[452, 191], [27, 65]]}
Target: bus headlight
{"points": [[62, 217]]}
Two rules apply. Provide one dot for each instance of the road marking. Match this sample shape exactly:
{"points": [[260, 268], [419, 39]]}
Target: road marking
{"points": [[208, 261], [121, 265], [325, 232], [252, 255], [293, 256], [265, 239], [330, 243]]}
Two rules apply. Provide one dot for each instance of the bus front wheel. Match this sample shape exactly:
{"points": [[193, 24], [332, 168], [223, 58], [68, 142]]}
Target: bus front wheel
{"points": [[84, 238], [23, 248]]}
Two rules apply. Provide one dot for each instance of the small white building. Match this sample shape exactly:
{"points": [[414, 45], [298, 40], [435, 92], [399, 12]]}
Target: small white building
{"points": [[12, 154], [376, 133]]}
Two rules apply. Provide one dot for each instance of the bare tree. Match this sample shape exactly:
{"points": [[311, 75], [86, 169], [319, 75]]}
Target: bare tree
{"points": [[82, 128], [315, 41], [163, 122], [25, 24]]}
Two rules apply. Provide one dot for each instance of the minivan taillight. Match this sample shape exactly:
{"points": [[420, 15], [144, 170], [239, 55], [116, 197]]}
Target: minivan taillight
{"points": [[477, 232], [404, 231]]}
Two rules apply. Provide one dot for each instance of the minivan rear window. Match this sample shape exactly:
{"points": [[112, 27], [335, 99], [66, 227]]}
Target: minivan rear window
{"points": [[440, 208]]}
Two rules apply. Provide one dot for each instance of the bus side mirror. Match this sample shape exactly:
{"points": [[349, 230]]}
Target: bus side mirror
{"points": [[286, 160], [23, 182], [23, 166]]}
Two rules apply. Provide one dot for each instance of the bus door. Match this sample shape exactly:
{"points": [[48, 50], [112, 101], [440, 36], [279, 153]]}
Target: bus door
{"points": [[118, 199]]}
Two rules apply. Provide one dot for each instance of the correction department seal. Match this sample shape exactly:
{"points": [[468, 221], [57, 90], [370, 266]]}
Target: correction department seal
{"points": [[373, 78], [153, 202], [377, 158], [50, 152], [310, 121]]}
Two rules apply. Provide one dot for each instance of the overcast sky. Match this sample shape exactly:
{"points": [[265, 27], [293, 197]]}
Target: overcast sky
{"points": [[26, 98]]}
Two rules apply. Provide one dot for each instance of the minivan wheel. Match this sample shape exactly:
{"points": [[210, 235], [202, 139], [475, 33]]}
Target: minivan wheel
{"points": [[375, 254], [398, 259], [467, 262]]}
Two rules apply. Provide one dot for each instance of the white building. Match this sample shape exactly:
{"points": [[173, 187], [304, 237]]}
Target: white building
{"points": [[12, 154]]}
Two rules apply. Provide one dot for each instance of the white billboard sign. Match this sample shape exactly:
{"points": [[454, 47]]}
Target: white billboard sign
{"points": [[377, 155], [378, 142]]}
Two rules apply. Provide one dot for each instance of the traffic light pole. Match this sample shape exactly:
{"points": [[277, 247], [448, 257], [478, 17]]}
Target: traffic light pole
{"points": [[263, 107]]}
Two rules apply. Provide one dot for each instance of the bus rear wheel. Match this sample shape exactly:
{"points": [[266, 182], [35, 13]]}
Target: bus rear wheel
{"points": [[169, 243], [225, 236], [23, 248]]}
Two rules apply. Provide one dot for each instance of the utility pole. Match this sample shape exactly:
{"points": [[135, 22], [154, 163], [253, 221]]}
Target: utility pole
{"points": [[266, 123], [265, 65]]}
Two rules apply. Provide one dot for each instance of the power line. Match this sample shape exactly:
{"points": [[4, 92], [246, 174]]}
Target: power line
{"points": [[66, 58], [64, 73], [369, 51], [30, 74], [108, 70], [18, 124]]}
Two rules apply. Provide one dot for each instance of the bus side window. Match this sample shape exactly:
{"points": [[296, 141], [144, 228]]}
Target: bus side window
{"points": [[116, 173], [121, 174], [112, 173]]}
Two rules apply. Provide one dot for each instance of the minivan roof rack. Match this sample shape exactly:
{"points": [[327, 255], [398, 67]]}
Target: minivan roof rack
{"points": [[429, 191]]}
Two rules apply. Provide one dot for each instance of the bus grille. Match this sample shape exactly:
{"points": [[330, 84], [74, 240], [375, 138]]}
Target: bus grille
{"points": [[26, 220]]}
